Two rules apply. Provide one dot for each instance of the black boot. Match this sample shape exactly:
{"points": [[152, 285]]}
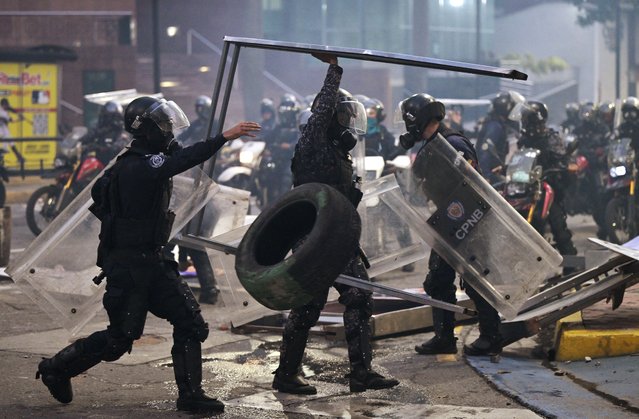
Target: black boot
{"points": [[362, 380], [490, 340], [438, 345], [360, 354], [187, 366], [208, 296], [56, 372], [288, 377], [484, 345], [444, 341]]}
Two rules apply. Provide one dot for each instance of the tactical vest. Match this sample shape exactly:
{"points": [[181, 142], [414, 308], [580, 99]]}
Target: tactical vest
{"points": [[338, 173], [151, 232]]}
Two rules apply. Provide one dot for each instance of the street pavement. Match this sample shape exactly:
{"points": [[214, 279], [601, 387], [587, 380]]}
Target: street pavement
{"points": [[238, 366]]}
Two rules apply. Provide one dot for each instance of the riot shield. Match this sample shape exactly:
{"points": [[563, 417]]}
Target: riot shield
{"points": [[57, 268], [455, 211]]}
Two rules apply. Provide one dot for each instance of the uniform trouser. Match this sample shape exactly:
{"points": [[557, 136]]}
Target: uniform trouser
{"points": [[358, 308], [557, 219], [440, 284], [131, 292], [201, 263], [559, 229], [205, 275]]}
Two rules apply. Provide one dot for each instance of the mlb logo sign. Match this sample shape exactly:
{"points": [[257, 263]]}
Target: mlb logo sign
{"points": [[455, 210]]}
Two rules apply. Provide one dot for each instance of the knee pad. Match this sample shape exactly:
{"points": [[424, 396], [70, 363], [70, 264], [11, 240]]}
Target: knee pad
{"points": [[116, 347], [357, 299], [304, 317]]}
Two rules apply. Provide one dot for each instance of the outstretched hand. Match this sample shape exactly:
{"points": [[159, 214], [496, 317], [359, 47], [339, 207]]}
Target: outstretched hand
{"points": [[245, 128], [325, 57]]}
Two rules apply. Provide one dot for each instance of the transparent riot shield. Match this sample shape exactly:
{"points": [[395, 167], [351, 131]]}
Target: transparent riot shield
{"points": [[455, 211], [57, 268]]}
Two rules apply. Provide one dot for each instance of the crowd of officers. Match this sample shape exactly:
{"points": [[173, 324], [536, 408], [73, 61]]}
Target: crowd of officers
{"points": [[131, 201]]}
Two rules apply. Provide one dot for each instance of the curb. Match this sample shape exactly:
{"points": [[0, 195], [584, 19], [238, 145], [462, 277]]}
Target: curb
{"points": [[574, 341]]}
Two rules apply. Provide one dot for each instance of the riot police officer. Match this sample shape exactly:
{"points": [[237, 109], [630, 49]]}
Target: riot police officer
{"points": [[274, 172], [269, 116], [572, 117], [591, 140], [131, 200], [108, 137], [378, 139], [554, 162], [322, 155], [422, 115], [629, 126], [493, 138]]}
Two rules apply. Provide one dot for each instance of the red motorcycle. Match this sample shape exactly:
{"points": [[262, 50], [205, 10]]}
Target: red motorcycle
{"points": [[72, 173], [527, 190]]}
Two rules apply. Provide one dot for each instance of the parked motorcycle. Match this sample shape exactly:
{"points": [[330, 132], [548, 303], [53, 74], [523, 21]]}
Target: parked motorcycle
{"points": [[526, 190], [621, 210], [73, 171]]}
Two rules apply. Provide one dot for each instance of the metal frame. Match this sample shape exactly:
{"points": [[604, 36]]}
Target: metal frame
{"points": [[354, 53]]}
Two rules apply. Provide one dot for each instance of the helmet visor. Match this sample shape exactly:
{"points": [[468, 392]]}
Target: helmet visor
{"points": [[168, 116], [352, 115]]}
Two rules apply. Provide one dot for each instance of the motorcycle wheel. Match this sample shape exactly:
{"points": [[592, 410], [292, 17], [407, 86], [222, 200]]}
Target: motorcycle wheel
{"points": [[330, 227], [40, 209], [618, 223]]}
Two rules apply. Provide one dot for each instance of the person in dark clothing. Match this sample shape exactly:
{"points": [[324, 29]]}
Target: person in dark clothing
{"points": [[572, 117], [422, 115], [322, 155], [629, 127], [591, 140], [554, 162], [108, 137], [454, 118], [197, 132], [274, 172], [492, 140], [131, 200], [379, 141]]}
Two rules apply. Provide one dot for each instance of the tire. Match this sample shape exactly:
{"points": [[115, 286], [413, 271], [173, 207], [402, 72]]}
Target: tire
{"points": [[617, 222], [40, 208], [280, 280]]}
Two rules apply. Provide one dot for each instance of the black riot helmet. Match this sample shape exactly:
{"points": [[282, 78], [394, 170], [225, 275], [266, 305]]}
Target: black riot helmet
{"points": [[111, 116], [288, 110], [533, 118], [267, 106], [630, 109], [156, 121], [502, 104], [375, 109], [417, 112], [203, 107], [606, 112], [572, 111], [349, 112], [587, 112]]}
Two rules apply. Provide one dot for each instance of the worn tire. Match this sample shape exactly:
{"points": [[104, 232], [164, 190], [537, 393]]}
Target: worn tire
{"points": [[281, 280]]}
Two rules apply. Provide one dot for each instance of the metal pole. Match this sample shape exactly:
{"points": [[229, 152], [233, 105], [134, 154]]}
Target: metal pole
{"points": [[201, 242], [618, 49], [156, 46]]}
